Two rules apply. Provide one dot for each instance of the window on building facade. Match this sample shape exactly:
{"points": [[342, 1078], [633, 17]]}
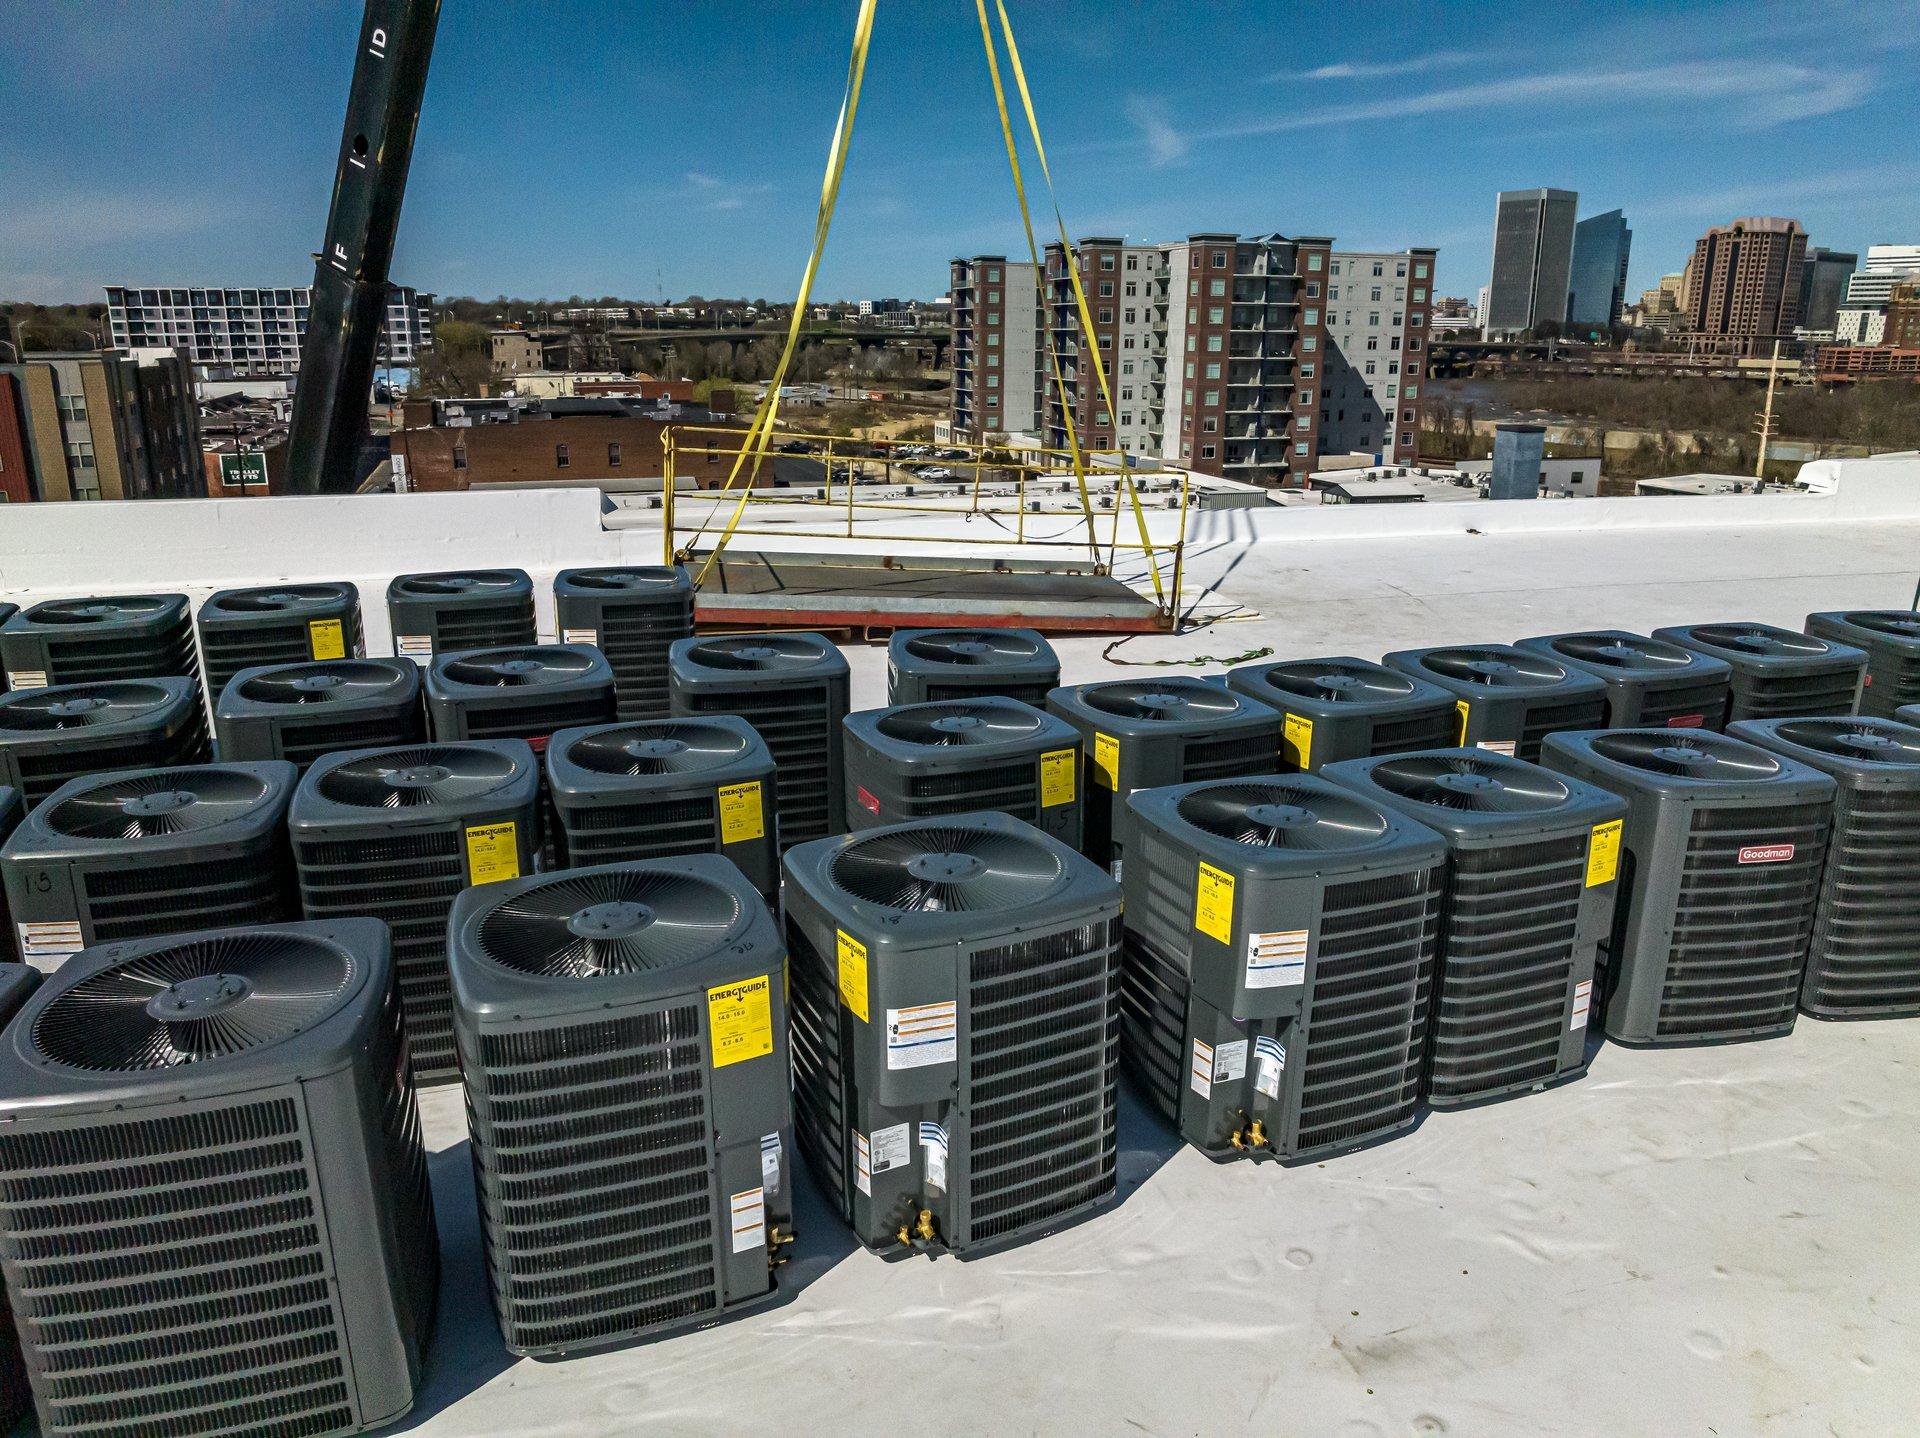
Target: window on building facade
{"points": [[1303, 421], [1300, 447], [459, 456], [1213, 344], [1213, 371], [1219, 259], [560, 457], [1378, 270], [1106, 316], [1106, 289], [1313, 263], [1210, 425], [1306, 371], [1310, 343], [993, 272], [1216, 315], [1312, 317], [1369, 366], [1206, 451], [1217, 289], [1213, 397], [1420, 272], [1106, 262]]}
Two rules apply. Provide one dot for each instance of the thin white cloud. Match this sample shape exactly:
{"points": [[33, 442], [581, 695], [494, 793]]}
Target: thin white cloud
{"points": [[722, 194], [1775, 194], [1378, 69], [1166, 145], [78, 219]]}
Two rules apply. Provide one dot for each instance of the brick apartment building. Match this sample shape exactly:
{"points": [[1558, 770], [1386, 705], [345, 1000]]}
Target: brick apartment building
{"points": [[98, 424], [1743, 284]]}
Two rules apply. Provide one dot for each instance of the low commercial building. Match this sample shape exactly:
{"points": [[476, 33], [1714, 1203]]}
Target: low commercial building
{"points": [[1843, 364]]}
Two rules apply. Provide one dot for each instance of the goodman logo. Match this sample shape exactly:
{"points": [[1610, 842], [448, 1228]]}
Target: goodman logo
{"points": [[1766, 853]]}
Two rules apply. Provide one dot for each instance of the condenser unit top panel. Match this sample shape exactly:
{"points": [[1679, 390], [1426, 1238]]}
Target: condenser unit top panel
{"points": [[1485, 669], [100, 708], [656, 581], [154, 810], [471, 673], [1173, 705], [279, 601], [611, 756], [1868, 750], [1472, 793], [1285, 825], [462, 585], [1893, 628], [1340, 684], [70, 617], [1013, 652], [980, 726], [319, 684], [1691, 763], [1746, 645], [1620, 652], [731, 660], [416, 784]]}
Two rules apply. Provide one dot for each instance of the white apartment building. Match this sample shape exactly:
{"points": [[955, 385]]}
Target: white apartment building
{"points": [[1863, 313], [1378, 309], [251, 331]]}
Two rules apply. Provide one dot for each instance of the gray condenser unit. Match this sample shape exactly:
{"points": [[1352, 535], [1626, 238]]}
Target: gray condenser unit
{"points": [[298, 712], [1651, 683], [1346, 708], [461, 609], [1147, 733], [48, 736], [7, 611], [1908, 714], [11, 811], [929, 664], [397, 835], [956, 756], [1720, 871], [634, 616], [213, 1187], [279, 624], [1777, 673], [1864, 959], [793, 689], [129, 855], [117, 636], [623, 1037], [519, 693], [662, 787], [1533, 864], [1282, 935], [956, 1015], [1507, 699], [1890, 638], [17, 982]]}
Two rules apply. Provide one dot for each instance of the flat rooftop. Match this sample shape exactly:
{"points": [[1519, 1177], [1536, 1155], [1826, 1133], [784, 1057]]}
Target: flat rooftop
{"points": [[1688, 1242]]}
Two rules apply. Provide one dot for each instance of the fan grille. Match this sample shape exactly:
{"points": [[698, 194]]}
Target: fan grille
{"points": [[1338, 681], [425, 777], [1185, 701], [925, 869], [81, 706], [105, 610], [1624, 651], [1494, 666], [1282, 815], [1471, 783], [1761, 639], [585, 925], [657, 747], [1701, 756], [332, 681], [971, 647], [957, 724], [756, 652], [1869, 741], [167, 801]]}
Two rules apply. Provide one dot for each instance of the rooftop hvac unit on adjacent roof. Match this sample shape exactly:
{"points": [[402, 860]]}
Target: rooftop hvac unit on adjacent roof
{"points": [[1890, 638], [1777, 673], [793, 689], [1507, 699], [1147, 733], [1864, 958], [463, 609], [139, 853], [519, 693], [1345, 708], [623, 1037], [663, 787], [1721, 869], [958, 756], [1651, 683], [634, 616], [956, 1013], [17, 983], [213, 1189], [48, 736], [118, 636], [1281, 941], [279, 624], [1533, 862], [299, 712], [929, 664], [397, 835]]}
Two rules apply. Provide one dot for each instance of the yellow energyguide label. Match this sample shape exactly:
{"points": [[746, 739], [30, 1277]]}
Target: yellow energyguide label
{"points": [[1056, 777], [493, 853], [1603, 853], [740, 1018], [327, 638], [1106, 761], [742, 812], [1296, 742], [1462, 708], [1213, 904], [853, 974]]}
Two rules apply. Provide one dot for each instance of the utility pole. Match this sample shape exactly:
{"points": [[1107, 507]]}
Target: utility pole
{"points": [[1766, 417]]}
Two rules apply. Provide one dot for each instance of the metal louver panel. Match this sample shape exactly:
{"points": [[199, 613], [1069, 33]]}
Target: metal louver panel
{"points": [[1034, 694], [82, 660], [656, 829], [798, 725], [635, 638], [1703, 703], [1404, 736], [1004, 788], [819, 1074], [1546, 718], [1762, 696], [40, 773], [140, 903], [1227, 758], [1865, 954], [1154, 987]]}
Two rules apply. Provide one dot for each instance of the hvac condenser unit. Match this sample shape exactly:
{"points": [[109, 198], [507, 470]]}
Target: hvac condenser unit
{"points": [[634, 617], [1721, 867], [956, 1010], [12, 809], [1147, 733], [957, 756], [79, 641], [1890, 638], [793, 689], [298, 712], [48, 736], [662, 787], [280, 624], [623, 1037], [1281, 942], [1533, 862], [1651, 683], [7, 611], [213, 1189], [1864, 958], [464, 609], [519, 693], [1908, 714], [929, 664], [17, 982], [1345, 708], [396, 835], [129, 855], [1506, 699], [1777, 673]]}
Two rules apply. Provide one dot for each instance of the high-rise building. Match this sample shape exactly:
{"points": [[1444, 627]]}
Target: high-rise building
{"points": [[1660, 307], [1597, 280], [1744, 285], [97, 424], [252, 331], [1823, 286], [1862, 317], [1379, 309], [995, 316], [1903, 316], [1532, 256], [1125, 287]]}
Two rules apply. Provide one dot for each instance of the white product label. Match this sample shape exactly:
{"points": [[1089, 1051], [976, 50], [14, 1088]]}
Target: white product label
{"points": [[1582, 1001], [749, 1220], [1277, 959], [47, 946], [1200, 1076], [922, 1034], [579, 636], [26, 679], [891, 1147], [863, 1164], [933, 1147], [413, 646], [770, 1163], [1498, 746], [1230, 1061], [1269, 1062]]}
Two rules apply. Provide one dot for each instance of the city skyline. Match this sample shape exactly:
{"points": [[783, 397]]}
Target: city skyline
{"points": [[583, 153]]}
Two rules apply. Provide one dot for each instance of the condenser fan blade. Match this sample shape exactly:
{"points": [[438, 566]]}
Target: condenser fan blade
{"points": [[656, 748], [1495, 668], [80, 706], [957, 725], [1709, 758], [415, 778], [970, 647], [1623, 651], [1185, 701], [946, 869], [1339, 681], [1871, 740], [97, 611], [1760, 639], [335, 682], [586, 925], [754, 652], [175, 801], [1282, 816], [1898, 622], [1470, 783]]}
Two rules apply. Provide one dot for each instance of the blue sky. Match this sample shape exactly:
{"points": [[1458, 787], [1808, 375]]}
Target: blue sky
{"points": [[640, 148]]}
